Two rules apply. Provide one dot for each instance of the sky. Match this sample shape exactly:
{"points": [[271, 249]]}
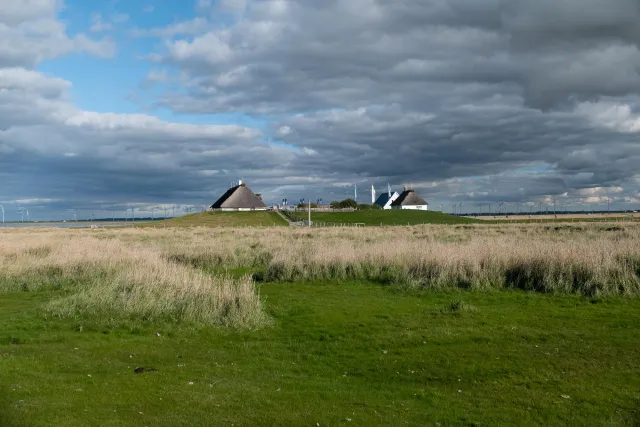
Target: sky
{"points": [[112, 104]]}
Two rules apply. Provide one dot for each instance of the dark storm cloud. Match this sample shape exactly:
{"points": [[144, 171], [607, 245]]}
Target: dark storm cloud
{"points": [[284, 56], [439, 92]]}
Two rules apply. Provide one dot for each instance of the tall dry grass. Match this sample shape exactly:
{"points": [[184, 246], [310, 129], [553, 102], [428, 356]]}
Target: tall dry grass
{"points": [[113, 278], [179, 273], [587, 259]]}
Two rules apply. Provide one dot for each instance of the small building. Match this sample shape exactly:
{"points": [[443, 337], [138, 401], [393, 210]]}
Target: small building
{"points": [[386, 199], [239, 198], [409, 199]]}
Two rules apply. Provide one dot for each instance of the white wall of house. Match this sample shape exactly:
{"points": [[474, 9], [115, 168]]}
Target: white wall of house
{"points": [[413, 207], [243, 209]]}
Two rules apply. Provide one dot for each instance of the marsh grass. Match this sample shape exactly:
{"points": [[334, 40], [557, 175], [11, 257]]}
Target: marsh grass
{"points": [[207, 275], [585, 259], [110, 278]]}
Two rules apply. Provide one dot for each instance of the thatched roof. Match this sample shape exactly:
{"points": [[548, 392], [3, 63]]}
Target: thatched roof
{"points": [[239, 197], [409, 198]]}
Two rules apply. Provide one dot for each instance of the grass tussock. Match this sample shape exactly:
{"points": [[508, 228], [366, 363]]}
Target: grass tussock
{"points": [[113, 279], [459, 307]]}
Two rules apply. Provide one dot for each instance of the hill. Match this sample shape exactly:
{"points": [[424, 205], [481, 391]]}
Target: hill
{"points": [[225, 219], [385, 217]]}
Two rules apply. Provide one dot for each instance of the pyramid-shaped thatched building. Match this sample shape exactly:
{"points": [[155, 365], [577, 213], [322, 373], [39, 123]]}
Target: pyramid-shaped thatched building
{"points": [[409, 199], [239, 198]]}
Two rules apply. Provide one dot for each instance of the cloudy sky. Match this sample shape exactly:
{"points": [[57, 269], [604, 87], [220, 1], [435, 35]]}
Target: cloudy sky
{"points": [[147, 103]]}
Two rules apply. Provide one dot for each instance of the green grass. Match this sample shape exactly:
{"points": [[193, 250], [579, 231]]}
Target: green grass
{"points": [[224, 219], [349, 354], [386, 217]]}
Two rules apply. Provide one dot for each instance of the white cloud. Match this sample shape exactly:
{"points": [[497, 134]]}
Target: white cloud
{"points": [[284, 130], [34, 201], [192, 27], [98, 25], [614, 115], [30, 33]]}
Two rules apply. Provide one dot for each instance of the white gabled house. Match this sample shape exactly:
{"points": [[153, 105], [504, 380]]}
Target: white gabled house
{"points": [[409, 199]]}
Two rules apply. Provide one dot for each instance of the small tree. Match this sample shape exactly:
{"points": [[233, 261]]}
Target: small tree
{"points": [[349, 203], [345, 204]]}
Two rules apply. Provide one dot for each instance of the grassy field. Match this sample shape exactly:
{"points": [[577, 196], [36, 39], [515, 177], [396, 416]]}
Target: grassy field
{"points": [[224, 219], [385, 217], [426, 325]]}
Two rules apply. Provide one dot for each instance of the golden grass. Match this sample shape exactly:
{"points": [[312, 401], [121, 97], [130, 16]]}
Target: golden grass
{"points": [[180, 273], [588, 259], [116, 278]]}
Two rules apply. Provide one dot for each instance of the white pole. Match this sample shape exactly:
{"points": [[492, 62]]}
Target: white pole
{"points": [[309, 203], [2, 207]]}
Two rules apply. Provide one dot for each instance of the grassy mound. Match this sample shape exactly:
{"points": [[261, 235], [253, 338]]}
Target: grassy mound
{"points": [[225, 219], [388, 217]]}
